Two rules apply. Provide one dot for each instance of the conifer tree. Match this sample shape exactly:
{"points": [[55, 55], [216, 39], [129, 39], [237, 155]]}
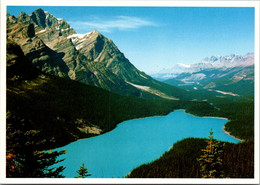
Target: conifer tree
{"points": [[211, 161], [83, 172], [24, 154]]}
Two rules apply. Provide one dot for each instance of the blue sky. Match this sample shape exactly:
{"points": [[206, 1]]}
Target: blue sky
{"points": [[153, 38]]}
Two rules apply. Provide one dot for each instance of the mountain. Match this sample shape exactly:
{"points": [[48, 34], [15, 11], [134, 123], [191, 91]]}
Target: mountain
{"points": [[213, 62], [55, 48], [67, 110], [222, 76], [238, 81], [33, 47]]}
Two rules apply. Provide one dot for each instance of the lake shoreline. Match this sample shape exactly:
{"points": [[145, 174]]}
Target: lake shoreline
{"points": [[134, 143], [228, 133], [223, 129], [204, 116]]}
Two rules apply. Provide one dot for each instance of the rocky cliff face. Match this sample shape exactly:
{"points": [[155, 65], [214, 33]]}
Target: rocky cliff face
{"points": [[55, 48], [34, 48]]}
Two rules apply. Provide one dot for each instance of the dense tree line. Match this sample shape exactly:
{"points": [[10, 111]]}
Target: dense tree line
{"points": [[239, 111], [25, 156], [182, 161]]}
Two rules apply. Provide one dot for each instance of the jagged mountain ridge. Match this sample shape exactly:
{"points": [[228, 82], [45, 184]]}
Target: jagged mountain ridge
{"points": [[231, 75], [211, 63], [55, 48]]}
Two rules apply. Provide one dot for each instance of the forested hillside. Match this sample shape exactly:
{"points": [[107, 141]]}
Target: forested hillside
{"points": [[182, 161]]}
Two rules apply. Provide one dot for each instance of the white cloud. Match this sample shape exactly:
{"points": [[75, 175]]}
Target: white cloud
{"points": [[117, 23]]}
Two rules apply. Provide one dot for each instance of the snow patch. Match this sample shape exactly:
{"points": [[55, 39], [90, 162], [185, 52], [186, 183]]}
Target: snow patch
{"points": [[183, 65], [143, 76], [82, 40], [79, 46], [146, 88], [65, 29], [226, 93], [40, 31], [80, 36]]}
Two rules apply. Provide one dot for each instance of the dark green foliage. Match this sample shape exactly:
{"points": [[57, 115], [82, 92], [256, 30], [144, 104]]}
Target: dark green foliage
{"points": [[25, 157], [181, 161], [239, 160], [83, 172], [201, 109], [211, 160], [239, 112], [241, 116]]}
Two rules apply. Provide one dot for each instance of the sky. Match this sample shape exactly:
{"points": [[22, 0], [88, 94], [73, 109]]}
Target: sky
{"points": [[156, 38]]}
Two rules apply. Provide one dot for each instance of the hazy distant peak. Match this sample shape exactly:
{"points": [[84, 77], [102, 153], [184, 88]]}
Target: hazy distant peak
{"points": [[213, 62]]}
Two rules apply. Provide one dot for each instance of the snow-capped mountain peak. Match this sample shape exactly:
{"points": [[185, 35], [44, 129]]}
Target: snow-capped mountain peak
{"points": [[213, 62]]}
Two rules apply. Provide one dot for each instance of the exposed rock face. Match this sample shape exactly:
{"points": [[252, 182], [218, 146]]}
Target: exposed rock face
{"points": [[17, 65], [24, 18], [39, 17], [103, 62], [55, 48], [35, 49]]}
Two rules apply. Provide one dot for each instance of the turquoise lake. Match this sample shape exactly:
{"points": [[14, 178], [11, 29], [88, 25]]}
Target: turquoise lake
{"points": [[135, 142]]}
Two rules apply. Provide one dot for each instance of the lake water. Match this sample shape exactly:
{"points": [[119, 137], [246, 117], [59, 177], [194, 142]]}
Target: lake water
{"points": [[135, 142]]}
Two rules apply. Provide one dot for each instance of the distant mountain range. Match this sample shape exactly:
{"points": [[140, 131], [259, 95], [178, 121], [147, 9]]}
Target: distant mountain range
{"points": [[230, 75], [213, 62], [55, 48]]}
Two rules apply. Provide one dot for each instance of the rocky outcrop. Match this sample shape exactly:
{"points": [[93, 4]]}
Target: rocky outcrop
{"points": [[36, 50]]}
